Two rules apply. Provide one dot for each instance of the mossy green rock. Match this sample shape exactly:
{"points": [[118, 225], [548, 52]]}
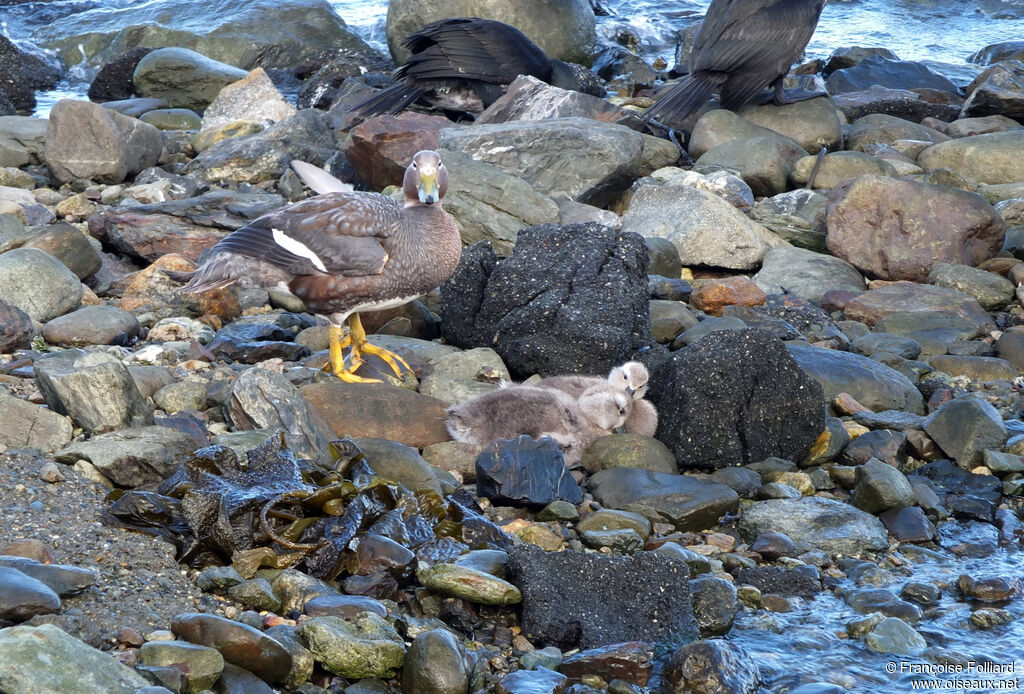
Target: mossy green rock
{"points": [[71, 667], [437, 664], [201, 665], [468, 584], [365, 647]]}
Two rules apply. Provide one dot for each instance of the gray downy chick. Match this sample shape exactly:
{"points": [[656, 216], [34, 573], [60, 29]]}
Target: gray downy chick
{"points": [[573, 423], [630, 378]]}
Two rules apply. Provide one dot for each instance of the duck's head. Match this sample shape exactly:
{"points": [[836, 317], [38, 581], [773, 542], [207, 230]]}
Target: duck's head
{"points": [[630, 377], [426, 179], [605, 407]]}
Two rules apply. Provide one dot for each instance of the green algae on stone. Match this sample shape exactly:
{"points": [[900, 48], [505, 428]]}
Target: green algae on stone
{"points": [[365, 647], [468, 584]]}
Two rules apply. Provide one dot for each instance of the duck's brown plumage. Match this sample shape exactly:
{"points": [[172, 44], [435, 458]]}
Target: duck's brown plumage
{"points": [[743, 46], [343, 252]]}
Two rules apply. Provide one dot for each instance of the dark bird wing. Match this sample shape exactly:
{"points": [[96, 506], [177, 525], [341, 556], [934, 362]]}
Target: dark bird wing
{"points": [[391, 100], [472, 48], [337, 234], [753, 41]]}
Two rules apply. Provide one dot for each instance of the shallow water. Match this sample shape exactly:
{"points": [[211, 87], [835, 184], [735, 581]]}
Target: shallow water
{"points": [[805, 645]]}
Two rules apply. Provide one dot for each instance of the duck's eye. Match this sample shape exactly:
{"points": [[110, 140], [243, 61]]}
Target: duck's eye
{"points": [[414, 165]]}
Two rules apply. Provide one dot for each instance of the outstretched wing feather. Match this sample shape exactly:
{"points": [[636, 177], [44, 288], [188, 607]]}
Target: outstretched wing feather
{"points": [[340, 233]]}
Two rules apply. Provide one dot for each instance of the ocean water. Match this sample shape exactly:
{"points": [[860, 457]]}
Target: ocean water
{"points": [[943, 33]]}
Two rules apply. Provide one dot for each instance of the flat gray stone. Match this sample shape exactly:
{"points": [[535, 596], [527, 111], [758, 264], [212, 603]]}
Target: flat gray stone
{"points": [[686, 502], [72, 667], [25, 425], [135, 456], [816, 523]]}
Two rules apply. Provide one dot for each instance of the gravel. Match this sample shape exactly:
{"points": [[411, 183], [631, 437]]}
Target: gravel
{"points": [[140, 585]]}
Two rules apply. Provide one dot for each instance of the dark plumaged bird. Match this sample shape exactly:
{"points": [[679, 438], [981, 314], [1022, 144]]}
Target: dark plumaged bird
{"points": [[464, 64], [743, 46], [345, 252]]}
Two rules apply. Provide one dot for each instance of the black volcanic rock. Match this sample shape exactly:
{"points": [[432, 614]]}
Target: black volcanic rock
{"points": [[570, 299]]}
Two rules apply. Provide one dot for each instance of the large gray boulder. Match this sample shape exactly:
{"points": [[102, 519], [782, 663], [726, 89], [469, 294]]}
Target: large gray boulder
{"points": [[562, 28], [687, 502], [586, 160], [22, 140], [491, 205], [86, 140], [989, 158], [805, 273], [243, 33], [871, 383], [570, 299], [266, 155], [135, 456], [94, 389], [183, 78], [38, 284], [735, 397], [261, 399], [814, 522], [25, 425], [72, 666], [705, 229], [999, 91]]}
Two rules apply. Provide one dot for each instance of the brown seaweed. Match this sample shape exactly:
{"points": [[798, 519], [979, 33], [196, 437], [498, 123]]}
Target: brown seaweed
{"points": [[331, 520]]}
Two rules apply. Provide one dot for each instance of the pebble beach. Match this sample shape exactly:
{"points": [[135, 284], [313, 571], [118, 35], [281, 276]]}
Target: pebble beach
{"points": [[826, 296]]}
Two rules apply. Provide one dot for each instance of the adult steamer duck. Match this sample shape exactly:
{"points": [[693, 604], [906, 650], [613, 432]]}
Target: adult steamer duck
{"points": [[742, 47], [346, 252]]}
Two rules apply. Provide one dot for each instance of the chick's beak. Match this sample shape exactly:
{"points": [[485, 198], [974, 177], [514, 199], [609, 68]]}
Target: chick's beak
{"points": [[428, 191]]}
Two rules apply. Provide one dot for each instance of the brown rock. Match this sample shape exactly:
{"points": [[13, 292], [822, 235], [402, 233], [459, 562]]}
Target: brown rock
{"points": [[68, 245], [152, 290], [910, 297], [1004, 266], [240, 644], [898, 230], [454, 456], [379, 411], [847, 404], [711, 297], [382, 147], [995, 589], [16, 329], [30, 549], [631, 661], [147, 237]]}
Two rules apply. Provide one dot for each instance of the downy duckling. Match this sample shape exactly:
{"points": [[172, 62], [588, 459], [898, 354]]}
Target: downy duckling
{"points": [[630, 378], [573, 423]]}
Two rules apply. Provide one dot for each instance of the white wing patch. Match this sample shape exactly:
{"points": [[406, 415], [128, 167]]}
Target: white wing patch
{"points": [[298, 248]]}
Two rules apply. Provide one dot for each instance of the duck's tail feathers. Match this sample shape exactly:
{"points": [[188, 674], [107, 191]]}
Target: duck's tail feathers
{"points": [[387, 101], [212, 275], [688, 95]]}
